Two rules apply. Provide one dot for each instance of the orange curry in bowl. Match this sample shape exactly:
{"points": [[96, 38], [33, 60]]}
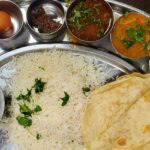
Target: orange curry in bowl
{"points": [[131, 35]]}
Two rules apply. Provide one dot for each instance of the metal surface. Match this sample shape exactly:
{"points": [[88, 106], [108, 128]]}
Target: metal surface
{"points": [[118, 9], [2, 103], [111, 60]]}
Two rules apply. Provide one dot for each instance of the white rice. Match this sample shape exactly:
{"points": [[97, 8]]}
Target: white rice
{"points": [[58, 125]]}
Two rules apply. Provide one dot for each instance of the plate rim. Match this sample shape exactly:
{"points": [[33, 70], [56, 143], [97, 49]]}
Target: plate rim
{"points": [[118, 62]]}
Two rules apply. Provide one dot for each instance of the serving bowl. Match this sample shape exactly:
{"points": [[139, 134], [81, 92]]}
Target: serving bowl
{"points": [[89, 21], [46, 20], [130, 36], [17, 34]]}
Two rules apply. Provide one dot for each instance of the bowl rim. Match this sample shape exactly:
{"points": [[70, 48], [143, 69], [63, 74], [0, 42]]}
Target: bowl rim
{"points": [[22, 22], [73, 3], [44, 34], [115, 49]]}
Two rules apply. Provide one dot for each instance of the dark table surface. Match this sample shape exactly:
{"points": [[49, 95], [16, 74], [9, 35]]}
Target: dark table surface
{"points": [[141, 4]]}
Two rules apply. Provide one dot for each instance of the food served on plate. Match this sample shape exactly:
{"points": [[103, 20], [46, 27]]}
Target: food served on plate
{"points": [[117, 115], [5, 21], [131, 35], [42, 21], [49, 91], [89, 20]]}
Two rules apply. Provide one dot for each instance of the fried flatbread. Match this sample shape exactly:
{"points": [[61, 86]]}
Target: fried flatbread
{"points": [[131, 131], [107, 104]]}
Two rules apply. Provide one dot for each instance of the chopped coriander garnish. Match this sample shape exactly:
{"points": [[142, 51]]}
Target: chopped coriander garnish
{"points": [[39, 85], [38, 136], [127, 43], [25, 96], [87, 11], [147, 23], [134, 34], [79, 26], [139, 36], [147, 46], [77, 14], [24, 121], [96, 21], [65, 99], [37, 108], [24, 109], [102, 30], [67, 2], [126, 14], [86, 89], [130, 32]]}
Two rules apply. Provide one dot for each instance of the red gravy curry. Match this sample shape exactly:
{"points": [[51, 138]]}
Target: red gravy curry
{"points": [[89, 20]]}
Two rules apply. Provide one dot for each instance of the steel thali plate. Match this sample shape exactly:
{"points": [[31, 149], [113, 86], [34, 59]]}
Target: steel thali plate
{"points": [[112, 65]]}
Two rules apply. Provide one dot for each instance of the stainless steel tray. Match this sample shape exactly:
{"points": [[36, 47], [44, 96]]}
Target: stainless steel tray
{"points": [[118, 8], [102, 57], [111, 65]]}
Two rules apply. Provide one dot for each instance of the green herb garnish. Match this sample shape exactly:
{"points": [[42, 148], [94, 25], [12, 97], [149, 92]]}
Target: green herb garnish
{"points": [[139, 36], [102, 30], [134, 34], [78, 15], [86, 89], [65, 99], [38, 136], [126, 14], [147, 23], [147, 46], [127, 43], [24, 109], [37, 108], [39, 85], [130, 32], [87, 11], [25, 96], [79, 26], [96, 21], [24, 121], [67, 2]]}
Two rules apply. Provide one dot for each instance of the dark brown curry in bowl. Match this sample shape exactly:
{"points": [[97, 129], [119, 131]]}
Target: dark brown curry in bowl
{"points": [[89, 20]]}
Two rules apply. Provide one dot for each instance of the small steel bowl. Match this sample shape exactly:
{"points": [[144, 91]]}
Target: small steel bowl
{"points": [[56, 11], [17, 34], [116, 50], [98, 42]]}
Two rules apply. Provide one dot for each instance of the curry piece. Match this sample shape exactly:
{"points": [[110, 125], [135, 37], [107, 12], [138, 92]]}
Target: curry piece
{"points": [[44, 22]]}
